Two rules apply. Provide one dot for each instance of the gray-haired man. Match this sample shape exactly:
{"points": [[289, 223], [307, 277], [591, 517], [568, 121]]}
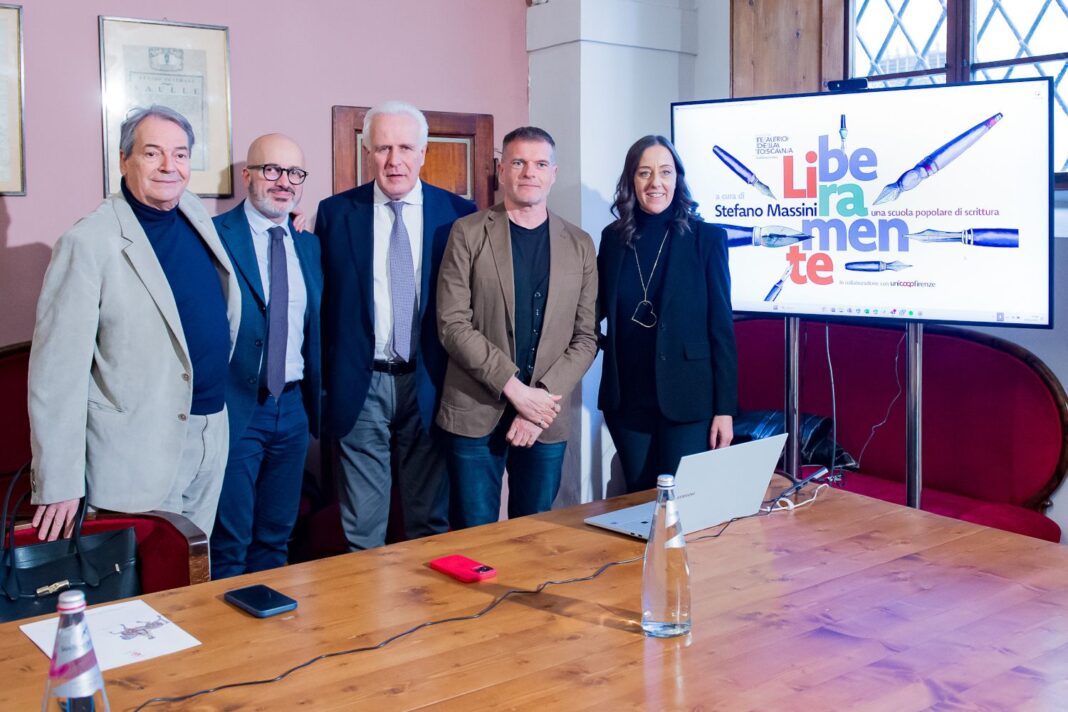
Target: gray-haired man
{"points": [[382, 361], [135, 325]]}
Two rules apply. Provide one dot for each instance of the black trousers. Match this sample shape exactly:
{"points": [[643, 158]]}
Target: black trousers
{"points": [[650, 445]]}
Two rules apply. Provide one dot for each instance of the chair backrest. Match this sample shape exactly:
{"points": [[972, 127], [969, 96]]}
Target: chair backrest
{"points": [[14, 418], [171, 551], [995, 418]]}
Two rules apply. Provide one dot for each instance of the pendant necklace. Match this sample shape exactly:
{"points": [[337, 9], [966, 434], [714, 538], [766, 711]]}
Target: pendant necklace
{"points": [[643, 314]]}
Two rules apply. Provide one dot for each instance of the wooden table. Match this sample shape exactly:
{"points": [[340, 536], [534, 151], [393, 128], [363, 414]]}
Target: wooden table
{"points": [[849, 604]]}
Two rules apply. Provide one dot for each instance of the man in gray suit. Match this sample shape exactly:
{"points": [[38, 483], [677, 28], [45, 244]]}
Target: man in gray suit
{"points": [[135, 325]]}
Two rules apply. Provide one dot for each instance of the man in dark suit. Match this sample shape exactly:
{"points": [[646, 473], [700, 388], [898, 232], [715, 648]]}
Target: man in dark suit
{"points": [[274, 387], [382, 245]]}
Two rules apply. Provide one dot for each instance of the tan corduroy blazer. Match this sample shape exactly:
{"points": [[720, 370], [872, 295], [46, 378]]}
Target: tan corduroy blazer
{"points": [[476, 320]]}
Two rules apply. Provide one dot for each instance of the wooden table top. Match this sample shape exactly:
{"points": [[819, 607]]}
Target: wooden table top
{"points": [[848, 604]]}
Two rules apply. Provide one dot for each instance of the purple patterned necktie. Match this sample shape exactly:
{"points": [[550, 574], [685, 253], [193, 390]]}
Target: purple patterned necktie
{"points": [[401, 283], [277, 313]]}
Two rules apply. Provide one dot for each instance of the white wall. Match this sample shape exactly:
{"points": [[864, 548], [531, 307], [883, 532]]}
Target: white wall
{"points": [[603, 73]]}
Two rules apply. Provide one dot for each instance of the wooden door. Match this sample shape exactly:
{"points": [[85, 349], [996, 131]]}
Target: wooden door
{"points": [[459, 155]]}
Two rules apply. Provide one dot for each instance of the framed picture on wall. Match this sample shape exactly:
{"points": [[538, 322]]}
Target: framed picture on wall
{"points": [[182, 66], [12, 144]]}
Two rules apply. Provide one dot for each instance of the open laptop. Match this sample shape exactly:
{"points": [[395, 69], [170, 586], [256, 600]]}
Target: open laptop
{"points": [[710, 488]]}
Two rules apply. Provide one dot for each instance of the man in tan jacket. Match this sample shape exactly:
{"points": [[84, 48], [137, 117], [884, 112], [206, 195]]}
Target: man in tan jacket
{"points": [[517, 294]]}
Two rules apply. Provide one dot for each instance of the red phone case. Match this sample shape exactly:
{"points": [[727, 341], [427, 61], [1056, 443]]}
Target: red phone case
{"points": [[463, 569]]}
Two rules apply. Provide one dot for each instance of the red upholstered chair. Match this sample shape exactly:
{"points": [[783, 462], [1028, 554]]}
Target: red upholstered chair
{"points": [[995, 418], [14, 419], [171, 551]]}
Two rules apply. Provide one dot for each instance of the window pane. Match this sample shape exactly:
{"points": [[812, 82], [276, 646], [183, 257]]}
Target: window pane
{"points": [[921, 81], [898, 36], [1059, 72], [1007, 29]]}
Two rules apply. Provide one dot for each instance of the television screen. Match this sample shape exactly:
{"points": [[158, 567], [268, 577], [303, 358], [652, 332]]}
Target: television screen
{"points": [[923, 204]]}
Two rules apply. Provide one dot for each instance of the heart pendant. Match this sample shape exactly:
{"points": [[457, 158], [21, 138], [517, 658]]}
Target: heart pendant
{"points": [[644, 314]]}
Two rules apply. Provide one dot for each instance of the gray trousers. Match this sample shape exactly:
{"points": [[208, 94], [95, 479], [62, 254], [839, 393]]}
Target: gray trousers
{"points": [[195, 494], [389, 439]]}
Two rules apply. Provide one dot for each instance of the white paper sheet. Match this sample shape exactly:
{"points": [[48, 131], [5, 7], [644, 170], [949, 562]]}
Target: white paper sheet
{"points": [[123, 633]]}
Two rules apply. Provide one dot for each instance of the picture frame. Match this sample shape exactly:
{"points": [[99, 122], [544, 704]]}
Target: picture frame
{"points": [[12, 103], [183, 66]]}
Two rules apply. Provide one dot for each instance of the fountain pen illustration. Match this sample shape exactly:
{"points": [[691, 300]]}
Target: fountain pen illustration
{"points": [[843, 131], [978, 236], [876, 266], [937, 160], [742, 172], [767, 236], [776, 288]]}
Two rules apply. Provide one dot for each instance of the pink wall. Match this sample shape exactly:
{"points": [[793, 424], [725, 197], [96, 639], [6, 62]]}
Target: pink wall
{"points": [[445, 55]]}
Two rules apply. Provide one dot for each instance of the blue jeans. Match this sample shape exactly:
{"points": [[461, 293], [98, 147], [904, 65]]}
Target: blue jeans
{"points": [[261, 489], [476, 470]]}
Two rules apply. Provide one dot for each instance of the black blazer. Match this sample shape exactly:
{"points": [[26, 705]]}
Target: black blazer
{"points": [[696, 369], [345, 226]]}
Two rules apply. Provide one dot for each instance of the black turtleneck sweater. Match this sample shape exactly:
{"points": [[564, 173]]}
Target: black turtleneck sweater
{"points": [[636, 344], [187, 263]]}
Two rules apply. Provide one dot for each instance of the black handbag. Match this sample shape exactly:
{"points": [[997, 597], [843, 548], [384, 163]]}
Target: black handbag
{"points": [[103, 565]]}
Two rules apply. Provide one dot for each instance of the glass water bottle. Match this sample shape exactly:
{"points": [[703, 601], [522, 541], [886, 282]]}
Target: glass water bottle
{"points": [[665, 572]]}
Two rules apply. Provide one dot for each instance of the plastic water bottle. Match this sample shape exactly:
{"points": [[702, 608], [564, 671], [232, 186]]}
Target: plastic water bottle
{"points": [[665, 572], [74, 680]]}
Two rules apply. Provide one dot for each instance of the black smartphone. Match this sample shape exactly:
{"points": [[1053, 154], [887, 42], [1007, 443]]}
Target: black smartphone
{"points": [[259, 600]]}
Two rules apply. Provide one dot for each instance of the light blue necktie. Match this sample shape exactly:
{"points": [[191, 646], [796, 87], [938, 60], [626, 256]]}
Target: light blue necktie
{"points": [[401, 283]]}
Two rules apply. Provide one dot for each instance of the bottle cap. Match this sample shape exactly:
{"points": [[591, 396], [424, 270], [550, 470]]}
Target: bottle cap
{"points": [[71, 602], [665, 481]]}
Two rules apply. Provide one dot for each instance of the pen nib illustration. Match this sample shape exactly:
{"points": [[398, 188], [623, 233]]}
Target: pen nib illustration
{"points": [[977, 236], [876, 266], [937, 160], [767, 236], [742, 171]]}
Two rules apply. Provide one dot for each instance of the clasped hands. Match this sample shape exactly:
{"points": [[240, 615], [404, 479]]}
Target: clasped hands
{"points": [[536, 409]]}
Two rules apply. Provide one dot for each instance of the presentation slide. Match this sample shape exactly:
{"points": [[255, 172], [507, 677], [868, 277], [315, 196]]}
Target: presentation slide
{"points": [[925, 204]]}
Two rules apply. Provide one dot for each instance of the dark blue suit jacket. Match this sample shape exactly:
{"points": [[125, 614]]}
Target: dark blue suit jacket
{"points": [[696, 364], [345, 226], [242, 390]]}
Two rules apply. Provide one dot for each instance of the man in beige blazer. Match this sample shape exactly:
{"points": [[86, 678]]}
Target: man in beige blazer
{"points": [[135, 325], [516, 299]]}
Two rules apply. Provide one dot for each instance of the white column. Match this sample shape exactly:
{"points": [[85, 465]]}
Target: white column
{"points": [[603, 73]]}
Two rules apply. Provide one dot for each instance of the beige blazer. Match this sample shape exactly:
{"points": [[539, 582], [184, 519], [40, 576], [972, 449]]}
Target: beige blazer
{"points": [[110, 382], [476, 320]]}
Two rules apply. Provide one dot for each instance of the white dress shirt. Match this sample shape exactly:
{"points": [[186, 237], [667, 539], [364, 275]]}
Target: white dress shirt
{"points": [[383, 226], [298, 292]]}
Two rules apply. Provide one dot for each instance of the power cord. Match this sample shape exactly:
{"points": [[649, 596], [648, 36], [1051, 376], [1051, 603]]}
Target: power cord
{"points": [[762, 512], [426, 624], [886, 416]]}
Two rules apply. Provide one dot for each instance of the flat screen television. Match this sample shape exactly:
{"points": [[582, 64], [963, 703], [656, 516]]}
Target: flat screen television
{"points": [[924, 204]]}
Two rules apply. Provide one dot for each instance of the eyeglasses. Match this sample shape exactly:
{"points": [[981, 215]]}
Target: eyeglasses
{"points": [[273, 171]]}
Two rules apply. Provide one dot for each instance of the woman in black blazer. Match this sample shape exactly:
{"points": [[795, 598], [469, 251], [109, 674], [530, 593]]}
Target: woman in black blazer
{"points": [[669, 380]]}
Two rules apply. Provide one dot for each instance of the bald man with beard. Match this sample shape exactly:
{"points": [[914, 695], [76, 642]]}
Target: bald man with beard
{"points": [[274, 386]]}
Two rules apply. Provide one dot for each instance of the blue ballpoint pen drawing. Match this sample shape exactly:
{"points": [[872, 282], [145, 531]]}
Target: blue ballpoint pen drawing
{"points": [[937, 160], [742, 172]]}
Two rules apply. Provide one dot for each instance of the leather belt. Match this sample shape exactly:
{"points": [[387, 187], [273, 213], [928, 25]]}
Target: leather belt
{"points": [[395, 368], [292, 385]]}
